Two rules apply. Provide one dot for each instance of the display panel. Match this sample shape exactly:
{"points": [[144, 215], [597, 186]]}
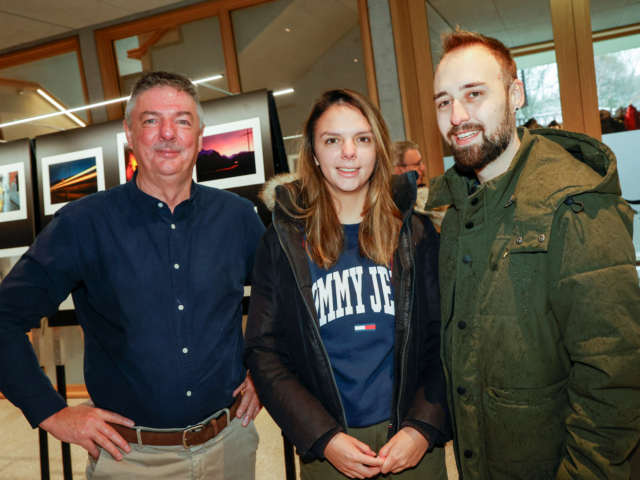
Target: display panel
{"points": [[13, 196]]}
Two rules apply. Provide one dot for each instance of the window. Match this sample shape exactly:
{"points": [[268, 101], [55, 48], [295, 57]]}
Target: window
{"points": [[29, 88], [302, 47], [193, 49]]}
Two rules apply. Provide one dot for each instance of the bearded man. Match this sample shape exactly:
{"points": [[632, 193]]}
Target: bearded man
{"points": [[540, 295]]}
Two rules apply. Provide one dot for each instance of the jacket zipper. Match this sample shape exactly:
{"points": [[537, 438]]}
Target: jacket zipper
{"points": [[397, 385], [316, 330]]}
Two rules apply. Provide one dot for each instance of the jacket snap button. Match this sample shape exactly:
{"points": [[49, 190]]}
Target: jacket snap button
{"points": [[462, 390], [469, 225], [474, 202], [519, 240], [468, 454], [462, 325], [466, 259], [541, 238]]}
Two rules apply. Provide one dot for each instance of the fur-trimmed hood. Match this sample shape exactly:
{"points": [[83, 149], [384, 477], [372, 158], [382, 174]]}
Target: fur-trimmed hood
{"points": [[268, 197]]}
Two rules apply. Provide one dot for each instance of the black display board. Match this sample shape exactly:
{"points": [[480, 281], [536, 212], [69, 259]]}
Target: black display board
{"points": [[73, 150], [17, 219]]}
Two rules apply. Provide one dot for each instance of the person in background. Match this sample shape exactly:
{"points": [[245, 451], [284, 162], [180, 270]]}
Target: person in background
{"points": [[554, 124], [156, 268], [540, 294], [343, 331], [532, 124], [406, 157]]}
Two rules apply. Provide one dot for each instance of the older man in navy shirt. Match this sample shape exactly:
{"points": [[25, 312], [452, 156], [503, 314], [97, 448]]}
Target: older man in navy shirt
{"points": [[156, 268]]}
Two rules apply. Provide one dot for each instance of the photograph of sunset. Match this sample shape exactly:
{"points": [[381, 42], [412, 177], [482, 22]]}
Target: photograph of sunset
{"points": [[226, 155]]}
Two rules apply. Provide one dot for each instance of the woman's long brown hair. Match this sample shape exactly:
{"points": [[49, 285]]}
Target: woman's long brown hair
{"points": [[380, 226]]}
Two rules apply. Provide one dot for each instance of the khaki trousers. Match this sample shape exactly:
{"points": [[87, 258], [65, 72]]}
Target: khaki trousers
{"points": [[229, 456], [432, 466]]}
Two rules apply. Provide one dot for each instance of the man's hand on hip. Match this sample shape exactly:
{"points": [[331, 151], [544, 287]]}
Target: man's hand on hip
{"points": [[87, 427], [250, 402]]}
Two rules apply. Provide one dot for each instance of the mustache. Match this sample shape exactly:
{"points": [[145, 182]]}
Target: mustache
{"points": [[167, 145], [465, 127]]}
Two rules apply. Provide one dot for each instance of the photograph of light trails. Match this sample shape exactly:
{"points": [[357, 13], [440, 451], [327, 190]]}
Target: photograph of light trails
{"points": [[72, 180]]}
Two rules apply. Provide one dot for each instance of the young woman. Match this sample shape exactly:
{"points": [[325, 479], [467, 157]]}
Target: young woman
{"points": [[342, 338]]}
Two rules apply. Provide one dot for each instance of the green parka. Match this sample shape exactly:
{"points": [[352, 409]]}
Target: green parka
{"points": [[541, 315]]}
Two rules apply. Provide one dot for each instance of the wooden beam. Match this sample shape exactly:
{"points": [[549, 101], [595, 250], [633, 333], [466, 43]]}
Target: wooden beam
{"points": [[432, 146], [415, 75], [229, 49], [586, 61], [47, 50], [576, 68], [367, 52]]}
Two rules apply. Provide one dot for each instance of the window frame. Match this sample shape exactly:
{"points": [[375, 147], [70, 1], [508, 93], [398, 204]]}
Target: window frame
{"points": [[105, 38]]}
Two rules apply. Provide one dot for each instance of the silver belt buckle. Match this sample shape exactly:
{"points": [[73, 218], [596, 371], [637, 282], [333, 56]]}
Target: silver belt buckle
{"points": [[188, 430]]}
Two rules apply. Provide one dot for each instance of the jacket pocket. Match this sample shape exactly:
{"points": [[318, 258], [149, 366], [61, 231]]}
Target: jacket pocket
{"points": [[525, 425]]}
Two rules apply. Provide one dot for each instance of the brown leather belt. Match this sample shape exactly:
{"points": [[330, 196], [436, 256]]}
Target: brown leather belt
{"points": [[190, 437]]}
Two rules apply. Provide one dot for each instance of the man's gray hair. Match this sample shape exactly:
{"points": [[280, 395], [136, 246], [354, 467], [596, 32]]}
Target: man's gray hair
{"points": [[164, 79], [398, 149]]}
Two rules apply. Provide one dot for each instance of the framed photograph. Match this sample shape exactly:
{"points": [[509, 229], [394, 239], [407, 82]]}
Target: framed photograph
{"points": [[231, 155], [8, 258], [71, 176], [127, 164], [13, 193]]}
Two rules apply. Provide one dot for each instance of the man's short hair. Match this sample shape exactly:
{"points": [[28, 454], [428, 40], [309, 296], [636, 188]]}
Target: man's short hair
{"points": [[398, 149], [459, 38], [159, 79]]}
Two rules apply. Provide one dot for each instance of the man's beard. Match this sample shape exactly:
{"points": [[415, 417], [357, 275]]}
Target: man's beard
{"points": [[469, 159]]}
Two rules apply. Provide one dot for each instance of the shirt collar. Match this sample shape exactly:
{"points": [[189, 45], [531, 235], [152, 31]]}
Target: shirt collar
{"points": [[151, 204]]}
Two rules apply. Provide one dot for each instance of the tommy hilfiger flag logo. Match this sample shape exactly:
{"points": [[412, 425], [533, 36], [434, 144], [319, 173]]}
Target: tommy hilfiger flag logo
{"points": [[362, 328]]}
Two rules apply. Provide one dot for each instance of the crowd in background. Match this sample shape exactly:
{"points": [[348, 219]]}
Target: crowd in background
{"points": [[622, 120]]}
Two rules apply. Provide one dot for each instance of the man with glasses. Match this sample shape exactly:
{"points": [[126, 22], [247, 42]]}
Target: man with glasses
{"points": [[406, 157]]}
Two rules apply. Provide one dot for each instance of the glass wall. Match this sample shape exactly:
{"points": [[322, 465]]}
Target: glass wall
{"points": [[301, 46], [37, 88], [194, 49], [616, 49]]}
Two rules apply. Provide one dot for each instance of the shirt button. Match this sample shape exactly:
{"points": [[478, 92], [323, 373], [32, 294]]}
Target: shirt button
{"points": [[176, 266], [173, 227], [469, 225], [180, 307], [462, 390], [541, 238], [462, 325], [189, 393], [160, 204], [468, 454], [466, 259], [474, 202], [185, 350], [519, 240]]}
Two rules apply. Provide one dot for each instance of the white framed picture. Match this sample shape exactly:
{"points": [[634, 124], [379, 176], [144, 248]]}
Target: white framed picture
{"points": [[13, 194], [70, 176], [231, 155]]}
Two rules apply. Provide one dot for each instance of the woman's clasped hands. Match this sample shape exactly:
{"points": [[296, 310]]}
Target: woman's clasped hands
{"points": [[356, 460]]}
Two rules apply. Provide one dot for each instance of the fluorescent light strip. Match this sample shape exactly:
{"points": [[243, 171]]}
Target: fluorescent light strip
{"points": [[61, 108], [283, 92], [86, 107]]}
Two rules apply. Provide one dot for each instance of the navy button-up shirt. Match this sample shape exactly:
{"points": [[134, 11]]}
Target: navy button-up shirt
{"points": [[158, 295]]}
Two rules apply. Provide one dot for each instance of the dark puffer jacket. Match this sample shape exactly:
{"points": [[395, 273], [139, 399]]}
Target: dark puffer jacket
{"points": [[284, 350]]}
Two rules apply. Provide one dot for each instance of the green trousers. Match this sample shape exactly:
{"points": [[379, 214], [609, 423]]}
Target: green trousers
{"points": [[431, 467]]}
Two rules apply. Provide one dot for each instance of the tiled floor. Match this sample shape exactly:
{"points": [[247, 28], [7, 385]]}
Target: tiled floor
{"points": [[19, 458]]}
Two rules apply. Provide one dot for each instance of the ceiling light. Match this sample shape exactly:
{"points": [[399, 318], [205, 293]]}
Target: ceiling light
{"points": [[61, 108], [209, 79], [282, 92], [355, 60], [287, 30], [86, 107]]}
